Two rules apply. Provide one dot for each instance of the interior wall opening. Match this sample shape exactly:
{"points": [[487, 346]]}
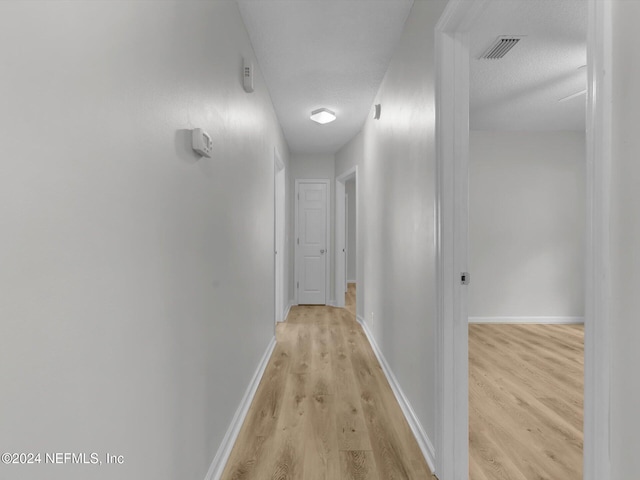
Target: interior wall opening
{"points": [[351, 252], [526, 234]]}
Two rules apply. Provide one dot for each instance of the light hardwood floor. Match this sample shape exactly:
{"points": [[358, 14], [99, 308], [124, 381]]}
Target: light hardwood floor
{"points": [[525, 402], [324, 409], [350, 299]]}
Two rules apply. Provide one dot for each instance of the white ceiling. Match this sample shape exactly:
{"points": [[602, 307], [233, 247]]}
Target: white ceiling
{"points": [[521, 91], [323, 53]]}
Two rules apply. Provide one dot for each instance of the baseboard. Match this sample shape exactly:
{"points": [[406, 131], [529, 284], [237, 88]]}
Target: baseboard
{"points": [[360, 320], [286, 312], [425, 444], [222, 455], [540, 320], [331, 303], [351, 281]]}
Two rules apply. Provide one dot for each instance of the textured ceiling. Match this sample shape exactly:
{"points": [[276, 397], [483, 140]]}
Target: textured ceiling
{"points": [[323, 53], [521, 91]]}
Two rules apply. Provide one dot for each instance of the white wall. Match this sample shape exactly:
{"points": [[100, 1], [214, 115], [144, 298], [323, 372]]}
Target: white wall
{"points": [[396, 158], [526, 224], [136, 279], [625, 239], [350, 190], [313, 166], [350, 155]]}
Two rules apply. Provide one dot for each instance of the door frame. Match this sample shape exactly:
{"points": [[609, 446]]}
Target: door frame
{"points": [[340, 243], [296, 200], [346, 242], [279, 203], [452, 137]]}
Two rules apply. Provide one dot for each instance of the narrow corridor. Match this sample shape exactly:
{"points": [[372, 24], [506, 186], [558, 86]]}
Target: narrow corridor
{"points": [[324, 409]]}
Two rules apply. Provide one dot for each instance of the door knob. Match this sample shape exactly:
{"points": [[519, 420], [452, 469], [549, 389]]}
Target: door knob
{"points": [[322, 251]]}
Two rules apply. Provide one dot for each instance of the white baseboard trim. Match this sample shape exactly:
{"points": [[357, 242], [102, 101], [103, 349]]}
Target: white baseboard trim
{"points": [[541, 320], [425, 444], [360, 321], [331, 303], [351, 281], [286, 312], [222, 455]]}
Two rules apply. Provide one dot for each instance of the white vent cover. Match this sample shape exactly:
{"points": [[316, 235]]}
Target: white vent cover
{"points": [[501, 47]]}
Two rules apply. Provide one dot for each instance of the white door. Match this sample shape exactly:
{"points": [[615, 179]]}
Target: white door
{"points": [[312, 244]]}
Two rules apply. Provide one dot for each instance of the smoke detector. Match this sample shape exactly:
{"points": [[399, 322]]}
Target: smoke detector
{"points": [[501, 46]]}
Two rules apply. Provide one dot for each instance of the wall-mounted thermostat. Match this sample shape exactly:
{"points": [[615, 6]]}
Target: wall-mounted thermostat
{"points": [[247, 76], [201, 142]]}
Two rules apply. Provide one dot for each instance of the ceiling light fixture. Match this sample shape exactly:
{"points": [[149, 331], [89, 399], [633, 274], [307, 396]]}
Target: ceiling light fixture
{"points": [[322, 116], [574, 95]]}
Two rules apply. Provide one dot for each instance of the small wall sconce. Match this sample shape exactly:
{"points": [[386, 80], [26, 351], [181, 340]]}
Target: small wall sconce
{"points": [[376, 112]]}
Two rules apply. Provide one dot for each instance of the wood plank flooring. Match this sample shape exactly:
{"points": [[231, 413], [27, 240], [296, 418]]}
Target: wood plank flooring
{"points": [[525, 402], [350, 299], [324, 409]]}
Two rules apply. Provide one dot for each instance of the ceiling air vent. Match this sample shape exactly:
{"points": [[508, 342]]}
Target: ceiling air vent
{"points": [[501, 47]]}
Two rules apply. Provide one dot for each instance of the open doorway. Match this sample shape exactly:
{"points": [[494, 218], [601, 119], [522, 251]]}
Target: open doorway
{"points": [[348, 282], [453, 49], [527, 211], [351, 245], [526, 313]]}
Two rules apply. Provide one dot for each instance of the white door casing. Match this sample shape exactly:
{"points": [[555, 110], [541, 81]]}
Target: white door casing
{"points": [[341, 243], [346, 240], [312, 241]]}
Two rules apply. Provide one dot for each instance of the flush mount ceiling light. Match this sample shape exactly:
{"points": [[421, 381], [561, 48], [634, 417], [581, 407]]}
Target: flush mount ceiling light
{"points": [[322, 116]]}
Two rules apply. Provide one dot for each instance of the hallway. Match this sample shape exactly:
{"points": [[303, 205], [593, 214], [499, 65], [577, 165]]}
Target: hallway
{"points": [[152, 158], [324, 409]]}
